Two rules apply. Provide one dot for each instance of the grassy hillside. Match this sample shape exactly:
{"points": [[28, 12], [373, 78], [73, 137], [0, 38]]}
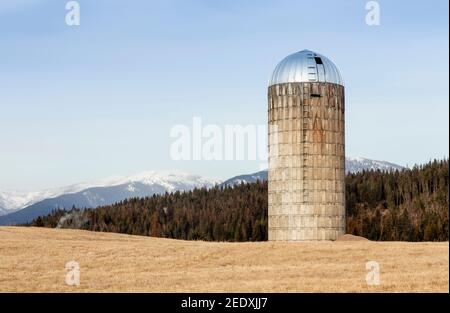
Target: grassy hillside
{"points": [[33, 259]]}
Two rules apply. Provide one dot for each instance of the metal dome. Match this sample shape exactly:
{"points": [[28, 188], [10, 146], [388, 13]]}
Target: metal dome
{"points": [[306, 66]]}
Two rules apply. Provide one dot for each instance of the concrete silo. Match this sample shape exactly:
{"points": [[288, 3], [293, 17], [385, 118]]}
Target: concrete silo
{"points": [[306, 149]]}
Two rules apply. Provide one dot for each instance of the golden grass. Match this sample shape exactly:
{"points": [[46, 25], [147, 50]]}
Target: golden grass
{"points": [[33, 260]]}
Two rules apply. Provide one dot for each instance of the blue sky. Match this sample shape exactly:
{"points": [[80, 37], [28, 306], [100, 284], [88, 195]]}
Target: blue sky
{"points": [[87, 102]]}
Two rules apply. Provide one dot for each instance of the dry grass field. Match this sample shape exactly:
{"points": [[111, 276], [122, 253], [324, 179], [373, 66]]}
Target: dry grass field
{"points": [[33, 260]]}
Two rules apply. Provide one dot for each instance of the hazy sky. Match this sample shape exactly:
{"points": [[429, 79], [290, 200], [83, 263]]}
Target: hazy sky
{"points": [[91, 101]]}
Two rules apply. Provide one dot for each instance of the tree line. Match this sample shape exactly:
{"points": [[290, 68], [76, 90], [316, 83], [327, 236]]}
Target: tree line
{"points": [[410, 205], [407, 205]]}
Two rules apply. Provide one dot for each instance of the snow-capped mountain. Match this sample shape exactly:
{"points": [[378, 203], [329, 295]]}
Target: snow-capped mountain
{"points": [[245, 179], [13, 200], [352, 165], [172, 180], [93, 194]]}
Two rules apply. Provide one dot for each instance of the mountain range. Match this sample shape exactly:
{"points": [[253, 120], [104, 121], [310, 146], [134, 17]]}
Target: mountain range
{"points": [[94, 194], [352, 165], [21, 207]]}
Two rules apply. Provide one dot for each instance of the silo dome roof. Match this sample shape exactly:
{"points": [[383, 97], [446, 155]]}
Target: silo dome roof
{"points": [[306, 66]]}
